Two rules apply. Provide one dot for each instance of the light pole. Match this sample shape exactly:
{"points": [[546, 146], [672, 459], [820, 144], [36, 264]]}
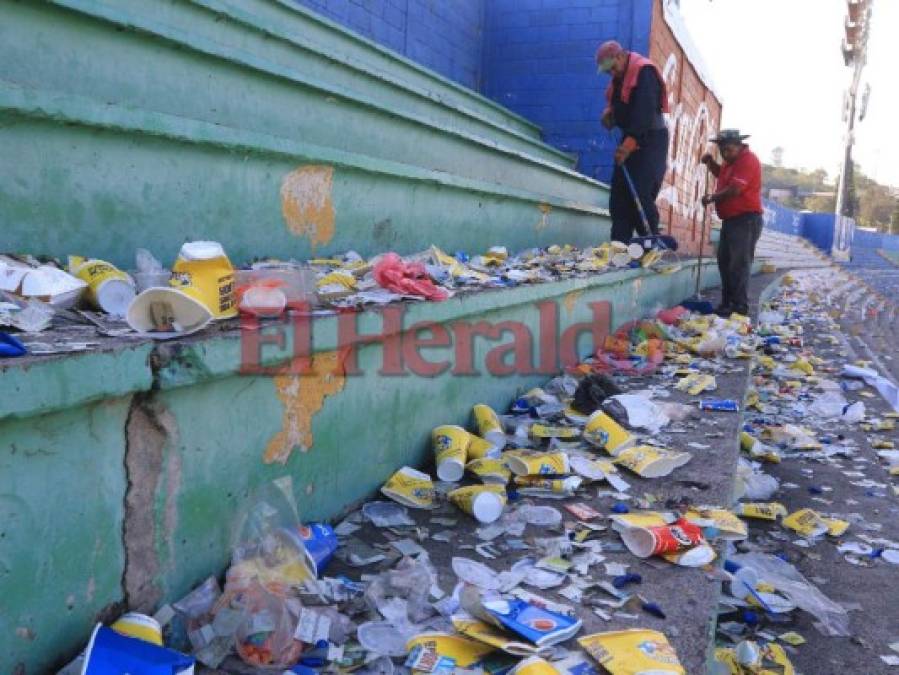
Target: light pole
{"points": [[855, 48]]}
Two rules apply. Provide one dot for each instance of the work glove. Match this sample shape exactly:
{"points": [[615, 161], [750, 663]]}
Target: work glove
{"points": [[623, 151], [708, 199], [707, 158]]}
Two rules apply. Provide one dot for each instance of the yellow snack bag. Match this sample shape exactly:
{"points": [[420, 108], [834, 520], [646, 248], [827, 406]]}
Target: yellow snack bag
{"points": [[631, 652]]}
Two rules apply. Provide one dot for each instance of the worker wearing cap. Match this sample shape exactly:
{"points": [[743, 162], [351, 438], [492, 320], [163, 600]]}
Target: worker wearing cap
{"points": [[636, 98], [738, 202]]}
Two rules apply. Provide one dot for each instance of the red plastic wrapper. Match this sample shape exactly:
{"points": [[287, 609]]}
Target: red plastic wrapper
{"points": [[406, 278]]}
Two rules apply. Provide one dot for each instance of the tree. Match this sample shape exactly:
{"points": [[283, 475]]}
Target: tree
{"points": [[876, 206], [821, 203], [777, 156], [894, 220]]}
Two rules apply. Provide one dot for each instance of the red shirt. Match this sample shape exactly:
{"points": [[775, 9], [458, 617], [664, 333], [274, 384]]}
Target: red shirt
{"points": [[744, 173]]}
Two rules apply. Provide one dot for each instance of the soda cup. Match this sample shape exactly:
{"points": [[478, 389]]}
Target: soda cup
{"points": [[451, 451], [318, 541], [108, 287], [484, 502], [140, 626], [489, 426], [479, 448], [534, 665], [644, 542], [604, 432], [490, 470], [541, 464], [410, 488]]}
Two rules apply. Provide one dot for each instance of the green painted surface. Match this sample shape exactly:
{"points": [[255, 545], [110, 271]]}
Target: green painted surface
{"points": [[191, 180], [62, 485], [205, 66], [38, 386]]}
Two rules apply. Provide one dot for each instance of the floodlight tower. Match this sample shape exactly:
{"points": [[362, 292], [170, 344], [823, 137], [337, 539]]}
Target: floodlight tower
{"points": [[855, 51]]}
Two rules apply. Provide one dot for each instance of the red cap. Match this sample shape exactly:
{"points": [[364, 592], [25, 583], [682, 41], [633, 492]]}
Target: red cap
{"points": [[607, 51]]}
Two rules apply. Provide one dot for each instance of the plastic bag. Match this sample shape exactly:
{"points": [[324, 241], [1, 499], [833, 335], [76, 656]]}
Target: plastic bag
{"points": [[833, 618], [264, 635], [392, 273], [592, 391], [400, 595], [828, 404], [265, 548], [636, 412]]}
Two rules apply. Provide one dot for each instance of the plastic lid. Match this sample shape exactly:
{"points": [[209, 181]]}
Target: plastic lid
{"points": [[202, 250]]}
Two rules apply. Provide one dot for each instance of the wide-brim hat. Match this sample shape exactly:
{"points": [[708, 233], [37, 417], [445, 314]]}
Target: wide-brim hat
{"points": [[729, 136]]}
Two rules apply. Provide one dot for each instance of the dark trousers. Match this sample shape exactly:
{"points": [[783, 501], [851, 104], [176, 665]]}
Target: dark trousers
{"points": [[736, 251], [647, 169]]}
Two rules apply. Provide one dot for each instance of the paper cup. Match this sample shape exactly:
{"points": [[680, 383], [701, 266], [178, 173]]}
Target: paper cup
{"points": [[490, 470], [108, 288], [534, 666], [140, 626], [563, 487], [189, 315], [650, 462], [542, 464], [489, 426], [451, 451], [484, 502], [410, 488], [479, 448], [635, 251], [604, 432], [644, 542]]}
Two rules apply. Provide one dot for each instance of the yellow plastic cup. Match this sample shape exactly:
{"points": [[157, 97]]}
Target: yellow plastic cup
{"points": [[489, 426], [490, 470], [108, 287], [534, 666], [484, 502], [140, 626], [411, 488], [203, 270], [480, 448], [451, 451], [604, 432], [541, 464]]}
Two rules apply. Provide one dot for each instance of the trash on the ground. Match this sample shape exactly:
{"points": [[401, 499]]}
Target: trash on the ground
{"points": [[631, 652]]}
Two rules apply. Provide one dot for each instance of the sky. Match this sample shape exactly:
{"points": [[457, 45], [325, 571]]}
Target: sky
{"points": [[778, 67]]}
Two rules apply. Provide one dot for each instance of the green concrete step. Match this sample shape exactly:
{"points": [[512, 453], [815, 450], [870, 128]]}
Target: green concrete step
{"points": [[196, 63], [106, 179]]}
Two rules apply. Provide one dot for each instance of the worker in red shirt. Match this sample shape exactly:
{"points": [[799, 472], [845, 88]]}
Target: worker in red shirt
{"points": [[738, 201]]}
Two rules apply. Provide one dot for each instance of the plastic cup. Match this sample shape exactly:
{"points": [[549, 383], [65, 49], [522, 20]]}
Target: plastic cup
{"points": [[601, 430], [480, 448], [644, 542], [542, 464], [484, 502], [140, 626], [489, 426], [145, 280], [451, 451]]}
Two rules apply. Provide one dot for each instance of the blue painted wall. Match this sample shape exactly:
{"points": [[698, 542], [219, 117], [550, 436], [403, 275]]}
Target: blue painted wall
{"points": [[536, 57], [782, 219], [889, 242], [539, 62], [444, 35]]}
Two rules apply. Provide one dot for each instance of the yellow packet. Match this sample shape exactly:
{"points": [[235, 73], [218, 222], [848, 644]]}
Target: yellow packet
{"points": [[728, 525], [762, 511], [806, 522], [631, 652], [792, 638], [463, 650], [490, 635]]}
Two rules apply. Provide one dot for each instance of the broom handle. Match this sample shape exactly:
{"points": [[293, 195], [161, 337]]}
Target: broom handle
{"points": [[705, 213]]}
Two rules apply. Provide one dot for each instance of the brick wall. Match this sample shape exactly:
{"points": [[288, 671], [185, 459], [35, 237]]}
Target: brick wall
{"points": [[539, 62], [695, 115], [444, 35]]}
